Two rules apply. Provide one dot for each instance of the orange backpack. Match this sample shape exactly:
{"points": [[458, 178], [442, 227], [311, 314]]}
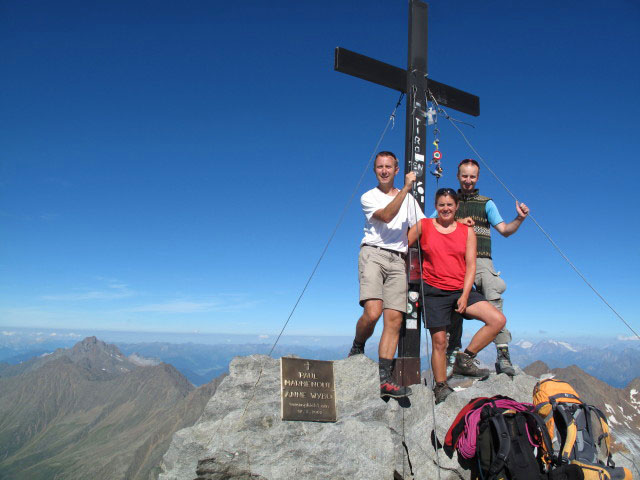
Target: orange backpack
{"points": [[579, 432]]}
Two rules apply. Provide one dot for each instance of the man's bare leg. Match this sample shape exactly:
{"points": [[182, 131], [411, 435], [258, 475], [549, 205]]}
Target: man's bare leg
{"points": [[386, 352], [390, 333], [366, 325]]}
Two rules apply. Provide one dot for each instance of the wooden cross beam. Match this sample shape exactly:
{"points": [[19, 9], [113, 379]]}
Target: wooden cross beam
{"points": [[414, 83]]}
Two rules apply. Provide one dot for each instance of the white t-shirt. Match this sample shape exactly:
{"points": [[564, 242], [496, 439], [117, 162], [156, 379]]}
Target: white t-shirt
{"points": [[392, 235]]}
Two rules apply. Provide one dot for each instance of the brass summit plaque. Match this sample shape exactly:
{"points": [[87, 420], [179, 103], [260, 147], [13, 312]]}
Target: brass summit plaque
{"points": [[308, 392]]}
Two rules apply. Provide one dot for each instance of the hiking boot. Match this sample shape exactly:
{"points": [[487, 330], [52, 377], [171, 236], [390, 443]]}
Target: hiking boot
{"points": [[503, 362], [441, 391], [356, 349], [468, 367], [451, 359], [389, 388]]}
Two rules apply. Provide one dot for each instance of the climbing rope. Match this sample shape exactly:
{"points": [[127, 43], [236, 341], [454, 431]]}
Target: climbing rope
{"points": [[326, 247], [555, 245]]}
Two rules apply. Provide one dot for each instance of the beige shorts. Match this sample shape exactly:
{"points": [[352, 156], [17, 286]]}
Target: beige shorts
{"points": [[382, 276]]}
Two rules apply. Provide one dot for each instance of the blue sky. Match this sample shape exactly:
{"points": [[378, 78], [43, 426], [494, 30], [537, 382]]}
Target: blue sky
{"points": [[179, 166]]}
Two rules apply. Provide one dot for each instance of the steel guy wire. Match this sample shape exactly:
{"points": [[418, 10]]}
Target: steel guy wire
{"points": [[555, 245], [390, 121]]}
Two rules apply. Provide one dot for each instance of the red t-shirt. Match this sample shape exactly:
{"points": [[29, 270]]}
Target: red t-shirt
{"points": [[443, 262]]}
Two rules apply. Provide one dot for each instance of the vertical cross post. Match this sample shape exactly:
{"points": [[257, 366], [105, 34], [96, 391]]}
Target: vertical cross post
{"points": [[407, 366], [413, 82]]}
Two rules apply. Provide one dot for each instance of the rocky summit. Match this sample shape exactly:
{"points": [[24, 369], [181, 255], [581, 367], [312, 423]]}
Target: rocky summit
{"points": [[241, 435]]}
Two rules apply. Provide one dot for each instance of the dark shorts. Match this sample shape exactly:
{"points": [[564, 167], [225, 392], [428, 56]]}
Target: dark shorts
{"points": [[440, 304]]}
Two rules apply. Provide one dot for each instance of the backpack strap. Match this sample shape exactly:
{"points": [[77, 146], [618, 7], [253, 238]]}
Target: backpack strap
{"points": [[504, 444], [570, 438], [541, 427], [605, 433], [564, 396], [540, 406]]}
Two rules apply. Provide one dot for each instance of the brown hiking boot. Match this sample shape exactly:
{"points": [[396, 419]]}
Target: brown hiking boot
{"points": [[468, 366], [441, 391]]}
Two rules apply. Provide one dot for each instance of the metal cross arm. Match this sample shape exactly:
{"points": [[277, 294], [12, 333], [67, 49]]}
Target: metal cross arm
{"points": [[375, 71]]}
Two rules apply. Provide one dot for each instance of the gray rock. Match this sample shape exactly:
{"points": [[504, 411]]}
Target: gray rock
{"points": [[236, 443], [233, 441]]}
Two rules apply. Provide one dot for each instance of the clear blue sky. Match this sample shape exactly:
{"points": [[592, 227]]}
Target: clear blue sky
{"points": [[179, 166]]}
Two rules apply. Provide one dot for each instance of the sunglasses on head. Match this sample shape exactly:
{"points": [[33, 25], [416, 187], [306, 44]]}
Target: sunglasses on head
{"points": [[445, 191]]}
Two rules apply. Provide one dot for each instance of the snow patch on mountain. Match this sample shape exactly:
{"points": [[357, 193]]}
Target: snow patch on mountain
{"points": [[524, 344], [563, 344]]}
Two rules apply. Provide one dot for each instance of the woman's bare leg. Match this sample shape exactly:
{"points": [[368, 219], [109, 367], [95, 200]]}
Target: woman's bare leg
{"points": [[438, 355], [493, 319]]}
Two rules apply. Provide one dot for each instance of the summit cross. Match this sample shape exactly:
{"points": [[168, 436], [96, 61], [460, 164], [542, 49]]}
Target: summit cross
{"points": [[418, 88]]}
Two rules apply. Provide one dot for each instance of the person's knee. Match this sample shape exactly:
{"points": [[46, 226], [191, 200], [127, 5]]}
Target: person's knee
{"points": [[500, 320], [439, 341], [440, 345], [392, 318], [372, 311]]}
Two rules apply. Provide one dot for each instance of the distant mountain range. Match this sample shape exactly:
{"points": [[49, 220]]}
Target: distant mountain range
{"points": [[616, 364], [91, 412], [201, 363]]}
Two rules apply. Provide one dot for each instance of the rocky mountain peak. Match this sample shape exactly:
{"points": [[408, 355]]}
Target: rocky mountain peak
{"points": [[537, 369], [71, 418], [93, 345], [99, 357], [372, 439]]}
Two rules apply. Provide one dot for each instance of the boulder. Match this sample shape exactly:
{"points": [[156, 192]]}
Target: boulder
{"points": [[241, 436]]}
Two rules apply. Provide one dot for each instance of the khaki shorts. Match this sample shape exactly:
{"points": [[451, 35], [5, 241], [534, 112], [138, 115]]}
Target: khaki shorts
{"points": [[382, 276], [489, 283]]}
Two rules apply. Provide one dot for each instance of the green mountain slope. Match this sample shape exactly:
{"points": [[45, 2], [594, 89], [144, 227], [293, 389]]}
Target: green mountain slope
{"points": [[92, 414]]}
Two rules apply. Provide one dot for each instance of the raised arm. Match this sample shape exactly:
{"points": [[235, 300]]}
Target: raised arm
{"points": [[470, 272], [387, 213], [507, 229]]}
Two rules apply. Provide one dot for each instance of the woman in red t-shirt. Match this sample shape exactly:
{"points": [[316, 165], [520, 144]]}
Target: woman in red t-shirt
{"points": [[448, 270]]}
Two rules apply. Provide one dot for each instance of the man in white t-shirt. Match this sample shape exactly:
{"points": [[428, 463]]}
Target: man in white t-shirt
{"points": [[389, 213]]}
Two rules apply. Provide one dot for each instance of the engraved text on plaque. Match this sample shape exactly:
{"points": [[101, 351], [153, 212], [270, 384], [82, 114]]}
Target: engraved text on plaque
{"points": [[308, 390]]}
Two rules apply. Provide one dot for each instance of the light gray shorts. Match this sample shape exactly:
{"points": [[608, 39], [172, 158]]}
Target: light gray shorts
{"points": [[489, 283], [382, 276]]}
